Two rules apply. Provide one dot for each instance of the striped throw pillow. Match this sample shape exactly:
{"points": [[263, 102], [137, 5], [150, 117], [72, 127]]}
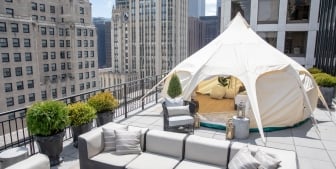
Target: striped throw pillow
{"points": [[128, 142], [243, 160], [110, 138]]}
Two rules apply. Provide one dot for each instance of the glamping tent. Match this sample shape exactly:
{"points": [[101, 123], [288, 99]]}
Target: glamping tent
{"points": [[280, 91]]}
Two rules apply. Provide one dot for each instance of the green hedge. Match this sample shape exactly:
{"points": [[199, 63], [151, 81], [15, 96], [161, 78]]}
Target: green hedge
{"points": [[325, 80]]}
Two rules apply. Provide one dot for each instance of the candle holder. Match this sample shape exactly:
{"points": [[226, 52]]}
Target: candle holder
{"points": [[241, 110]]}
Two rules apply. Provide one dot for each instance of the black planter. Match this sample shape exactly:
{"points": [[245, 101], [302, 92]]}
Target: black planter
{"points": [[328, 94], [78, 130], [104, 117], [52, 146]]}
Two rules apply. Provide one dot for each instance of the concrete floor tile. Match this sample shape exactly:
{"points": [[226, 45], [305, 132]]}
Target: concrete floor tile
{"points": [[306, 163], [332, 156], [280, 146], [330, 145], [312, 153], [282, 136], [308, 142]]}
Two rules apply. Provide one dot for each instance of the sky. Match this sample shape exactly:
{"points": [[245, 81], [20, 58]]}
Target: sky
{"points": [[103, 8]]}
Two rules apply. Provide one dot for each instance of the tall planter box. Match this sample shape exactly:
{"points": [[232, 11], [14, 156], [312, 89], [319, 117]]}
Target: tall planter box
{"points": [[328, 94]]}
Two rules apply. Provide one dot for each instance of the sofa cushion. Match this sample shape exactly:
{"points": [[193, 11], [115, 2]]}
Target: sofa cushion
{"points": [[243, 160], [206, 150], [187, 164], [142, 130], [266, 161], [165, 143], [118, 160], [109, 136], [128, 142], [153, 161], [180, 120], [217, 92], [172, 102], [37, 161], [178, 110]]}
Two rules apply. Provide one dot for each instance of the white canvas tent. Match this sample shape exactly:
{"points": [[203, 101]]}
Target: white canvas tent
{"points": [[281, 92]]}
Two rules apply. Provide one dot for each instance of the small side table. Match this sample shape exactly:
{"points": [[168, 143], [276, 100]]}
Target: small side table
{"points": [[242, 127], [12, 156]]}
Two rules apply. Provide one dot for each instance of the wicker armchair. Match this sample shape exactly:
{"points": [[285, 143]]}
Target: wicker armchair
{"points": [[181, 122]]}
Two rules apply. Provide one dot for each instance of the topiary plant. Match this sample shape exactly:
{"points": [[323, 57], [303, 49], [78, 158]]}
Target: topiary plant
{"points": [[174, 87], [47, 118], [314, 70], [81, 113], [325, 80], [103, 101]]}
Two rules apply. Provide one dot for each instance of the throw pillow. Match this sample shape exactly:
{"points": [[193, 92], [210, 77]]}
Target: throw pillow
{"points": [[128, 142], [178, 101], [109, 137], [243, 160], [217, 92], [266, 160], [178, 110]]}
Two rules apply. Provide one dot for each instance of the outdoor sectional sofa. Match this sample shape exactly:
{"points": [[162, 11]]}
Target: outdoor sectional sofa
{"points": [[167, 150]]}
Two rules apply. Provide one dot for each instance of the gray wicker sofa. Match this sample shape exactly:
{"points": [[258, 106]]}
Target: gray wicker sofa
{"points": [[168, 150]]}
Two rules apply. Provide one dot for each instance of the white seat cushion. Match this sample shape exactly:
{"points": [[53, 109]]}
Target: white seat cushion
{"points": [[186, 164], [152, 161], [178, 111], [180, 120], [113, 159]]}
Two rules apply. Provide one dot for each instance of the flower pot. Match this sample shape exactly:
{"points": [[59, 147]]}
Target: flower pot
{"points": [[328, 94], [78, 130], [104, 117], [52, 146]]}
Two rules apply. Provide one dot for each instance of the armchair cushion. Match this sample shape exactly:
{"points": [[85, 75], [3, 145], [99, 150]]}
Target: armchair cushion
{"points": [[171, 102], [178, 110], [128, 142], [187, 164], [180, 120]]}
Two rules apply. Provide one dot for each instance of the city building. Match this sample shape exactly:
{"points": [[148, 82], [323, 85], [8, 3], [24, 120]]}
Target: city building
{"points": [[196, 8], [148, 37], [289, 25], [48, 51], [210, 29], [325, 52], [108, 47], [195, 28], [101, 39]]}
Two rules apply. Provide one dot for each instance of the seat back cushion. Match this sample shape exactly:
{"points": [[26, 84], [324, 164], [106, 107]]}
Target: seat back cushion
{"points": [[142, 137], [165, 143], [128, 142], [206, 150], [171, 102], [178, 110]]}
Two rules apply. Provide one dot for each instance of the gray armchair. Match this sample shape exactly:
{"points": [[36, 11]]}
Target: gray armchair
{"points": [[179, 118]]}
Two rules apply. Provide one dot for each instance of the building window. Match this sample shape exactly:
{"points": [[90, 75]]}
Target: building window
{"points": [[5, 57], [91, 33], [54, 93], [31, 97], [87, 85], [91, 43], [29, 70], [10, 101], [53, 19], [92, 64], [86, 44], [21, 99], [18, 71], [85, 32], [44, 43], [8, 0], [69, 65], [15, 27], [79, 43], [54, 78], [67, 32], [17, 57], [26, 42], [52, 9], [28, 56], [63, 91], [52, 43], [80, 65], [62, 54], [6, 72], [62, 66], [81, 10], [80, 55], [3, 27], [72, 89], [30, 84], [94, 84], [86, 64], [25, 28], [81, 86], [8, 87], [42, 7], [51, 31], [53, 67], [80, 76], [44, 95], [16, 42], [81, 20], [63, 77], [86, 54], [87, 75], [79, 32], [61, 32], [45, 55], [242, 6], [68, 54], [298, 11], [295, 44], [45, 68], [34, 6], [61, 43], [19, 85], [268, 11], [34, 17], [43, 30], [43, 18], [93, 74], [269, 37], [53, 55], [3, 42], [92, 53], [10, 11]]}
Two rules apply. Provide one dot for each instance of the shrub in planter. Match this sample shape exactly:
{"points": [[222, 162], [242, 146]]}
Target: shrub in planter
{"points": [[174, 87], [104, 103], [81, 116], [314, 70], [327, 85], [47, 121]]}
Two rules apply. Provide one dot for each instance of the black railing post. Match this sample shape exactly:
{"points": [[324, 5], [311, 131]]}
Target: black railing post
{"points": [[156, 89], [142, 93], [125, 100]]}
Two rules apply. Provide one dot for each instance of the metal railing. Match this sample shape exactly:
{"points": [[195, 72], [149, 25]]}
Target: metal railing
{"points": [[13, 126]]}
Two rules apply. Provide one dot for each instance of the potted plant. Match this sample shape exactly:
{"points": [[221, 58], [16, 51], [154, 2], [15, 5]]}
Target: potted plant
{"points": [[174, 86], [104, 103], [81, 117], [46, 121], [327, 85]]}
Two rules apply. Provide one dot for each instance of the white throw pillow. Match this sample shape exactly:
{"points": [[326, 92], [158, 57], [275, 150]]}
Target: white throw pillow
{"points": [[128, 142], [170, 102], [267, 161], [110, 137], [243, 160], [178, 111]]}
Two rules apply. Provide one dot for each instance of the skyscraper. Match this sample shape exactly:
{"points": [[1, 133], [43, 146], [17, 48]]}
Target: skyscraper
{"points": [[48, 51], [196, 8], [148, 37], [103, 38]]}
